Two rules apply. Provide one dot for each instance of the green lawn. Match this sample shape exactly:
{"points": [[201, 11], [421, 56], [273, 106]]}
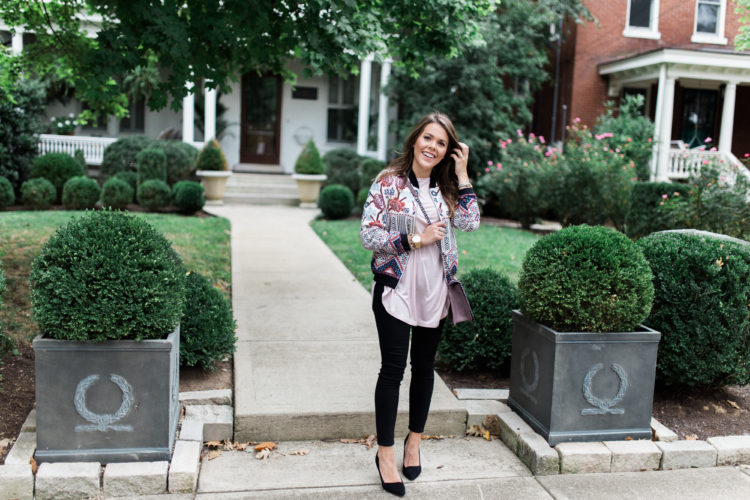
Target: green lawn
{"points": [[490, 246], [203, 243]]}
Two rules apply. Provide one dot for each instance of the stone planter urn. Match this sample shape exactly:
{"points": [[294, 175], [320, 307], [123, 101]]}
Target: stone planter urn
{"points": [[214, 183], [571, 386], [114, 401], [308, 186]]}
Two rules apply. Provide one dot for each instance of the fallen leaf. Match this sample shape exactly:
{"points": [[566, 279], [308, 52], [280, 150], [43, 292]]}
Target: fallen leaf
{"points": [[370, 441], [263, 454], [691, 438], [349, 440], [705, 408], [719, 409], [435, 437], [733, 404], [213, 454], [301, 453], [228, 445], [265, 445], [214, 444], [33, 465], [4, 443], [628, 438], [241, 446]]}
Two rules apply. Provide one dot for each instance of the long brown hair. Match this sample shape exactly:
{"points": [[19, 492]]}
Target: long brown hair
{"points": [[444, 173]]}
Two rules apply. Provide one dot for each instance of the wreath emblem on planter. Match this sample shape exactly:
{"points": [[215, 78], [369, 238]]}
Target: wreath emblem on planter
{"points": [[528, 387], [604, 406], [103, 421]]}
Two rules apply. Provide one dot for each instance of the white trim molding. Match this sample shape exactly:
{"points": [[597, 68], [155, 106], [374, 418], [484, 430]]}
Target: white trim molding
{"points": [[652, 32], [718, 37]]}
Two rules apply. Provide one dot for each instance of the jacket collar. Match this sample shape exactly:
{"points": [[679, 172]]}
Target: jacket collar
{"points": [[415, 182]]}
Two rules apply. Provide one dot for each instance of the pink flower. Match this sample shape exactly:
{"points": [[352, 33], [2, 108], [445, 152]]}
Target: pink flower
{"points": [[713, 149], [664, 196], [747, 155], [705, 162], [708, 139], [541, 139], [518, 131], [499, 167], [536, 148], [702, 148], [629, 139], [510, 140], [547, 153], [489, 162], [649, 139], [532, 136], [723, 178], [487, 170], [502, 145], [577, 120]]}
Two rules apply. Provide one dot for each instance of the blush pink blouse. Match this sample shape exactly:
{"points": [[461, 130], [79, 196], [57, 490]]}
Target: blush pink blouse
{"points": [[421, 296]]}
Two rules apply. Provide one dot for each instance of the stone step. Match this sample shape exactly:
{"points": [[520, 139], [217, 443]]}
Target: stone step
{"points": [[260, 199], [261, 189]]}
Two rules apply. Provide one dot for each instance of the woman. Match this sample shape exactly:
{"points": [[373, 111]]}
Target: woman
{"points": [[408, 223]]}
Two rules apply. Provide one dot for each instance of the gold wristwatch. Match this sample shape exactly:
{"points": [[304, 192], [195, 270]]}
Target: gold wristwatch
{"points": [[415, 240]]}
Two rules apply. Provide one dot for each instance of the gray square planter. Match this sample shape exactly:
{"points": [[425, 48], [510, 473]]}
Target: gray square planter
{"points": [[114, 401], [583, 386]]}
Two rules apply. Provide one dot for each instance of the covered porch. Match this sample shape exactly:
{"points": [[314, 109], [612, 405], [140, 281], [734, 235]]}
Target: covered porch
{"points": [[693, 97]]}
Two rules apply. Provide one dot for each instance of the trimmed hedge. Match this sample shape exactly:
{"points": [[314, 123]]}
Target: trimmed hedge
{"points": [[153, 194], [56, 168], [308, 162], [38, 193], [81, 192], [181, 158], [700, 307], [107, 275], [644, 216], [116, 193], [80, 157], [369, 169], [586, 279], [130, 177], [211, 157], [485, 342], [207, 326], [188, 196], [151, 164], [7, 196], [120, 155], [336, 201], [342, 167]]}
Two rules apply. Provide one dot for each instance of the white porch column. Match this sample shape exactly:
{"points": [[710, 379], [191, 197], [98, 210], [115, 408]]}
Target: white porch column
{"points": [[188, 115], [363, 122], [209, 114], [385, 73], [664, 132], [727, 118], [16, 44]]}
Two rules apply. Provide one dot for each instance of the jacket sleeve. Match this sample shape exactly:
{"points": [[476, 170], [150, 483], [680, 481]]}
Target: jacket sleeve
{"points": [[466, 216], [374, 232]]}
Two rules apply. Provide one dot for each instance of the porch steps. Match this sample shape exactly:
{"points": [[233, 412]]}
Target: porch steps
{"points": [[261, 189]]}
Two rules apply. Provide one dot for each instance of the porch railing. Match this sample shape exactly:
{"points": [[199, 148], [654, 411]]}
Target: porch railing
{"points": [[685, 162], [92, 147]]}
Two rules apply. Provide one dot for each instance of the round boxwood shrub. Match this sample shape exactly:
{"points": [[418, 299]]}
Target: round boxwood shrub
{"points": [[336, 201], [188, 196], [7, 196], [80, 192], [485, 342], [116, 193], [38, 193], [153, 194], [211, 157], [359, 204], [643, 216], [369, 170], [702, 293], [586, 279], [151, 164], [181, 158], [207, 326], [120, 155], [56, 168], [128, 176], [80, 157], [107, 275], [342, 167], [309, 162]]}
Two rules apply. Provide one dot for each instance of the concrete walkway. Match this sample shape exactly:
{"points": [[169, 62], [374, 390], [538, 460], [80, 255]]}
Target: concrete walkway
{"points": [[307, 357], [305, 371]]}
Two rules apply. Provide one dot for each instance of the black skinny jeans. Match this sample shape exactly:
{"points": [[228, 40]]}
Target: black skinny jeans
{"points": [[393, 335]]}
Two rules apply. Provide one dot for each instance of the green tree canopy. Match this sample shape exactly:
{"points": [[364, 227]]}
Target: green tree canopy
{"points": [[487, 90], [219, 40], [742, 40]]}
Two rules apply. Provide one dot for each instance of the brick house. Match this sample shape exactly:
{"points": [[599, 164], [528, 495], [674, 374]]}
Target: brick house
{"points": [[678, 54]]}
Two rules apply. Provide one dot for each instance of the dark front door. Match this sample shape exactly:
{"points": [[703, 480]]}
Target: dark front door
{"points": [[698, 117], [261, 118]]}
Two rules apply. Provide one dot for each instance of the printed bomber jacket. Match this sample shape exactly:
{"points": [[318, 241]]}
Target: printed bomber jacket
{"points": [[388, 218]]}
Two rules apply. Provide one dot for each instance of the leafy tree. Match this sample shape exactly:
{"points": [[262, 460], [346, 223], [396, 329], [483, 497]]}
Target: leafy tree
{"points": [[217, 41], [487, 90], [742, 40]]}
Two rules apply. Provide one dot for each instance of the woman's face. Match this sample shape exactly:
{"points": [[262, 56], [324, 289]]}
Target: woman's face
{"points": [[430, 148]]}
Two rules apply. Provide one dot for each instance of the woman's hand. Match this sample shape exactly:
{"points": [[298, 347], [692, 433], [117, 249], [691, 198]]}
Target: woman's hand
{"points": [[460, 157], [434, 232]]}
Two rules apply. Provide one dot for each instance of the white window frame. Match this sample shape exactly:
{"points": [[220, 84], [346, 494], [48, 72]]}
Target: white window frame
{"points": [[718, 38], [340, 105], [652, 32]]}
